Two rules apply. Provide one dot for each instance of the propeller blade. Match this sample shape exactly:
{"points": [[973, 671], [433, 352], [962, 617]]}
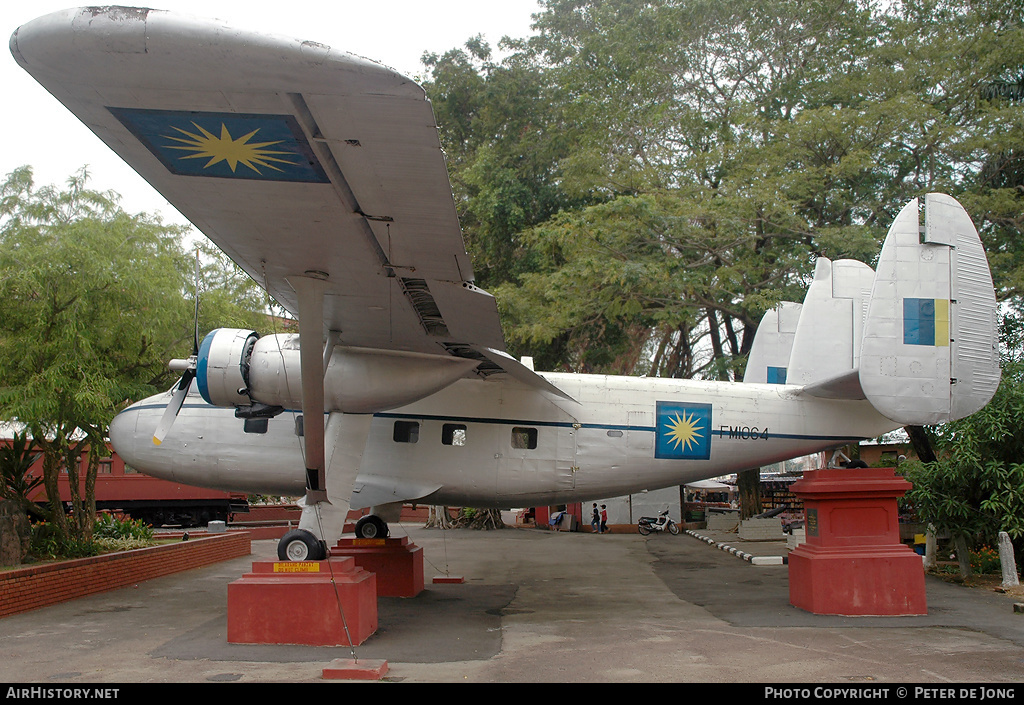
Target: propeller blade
{"points": [[171, 412], [195, 348]]}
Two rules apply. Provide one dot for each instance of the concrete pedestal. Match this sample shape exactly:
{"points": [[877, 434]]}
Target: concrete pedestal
{"points": [[397, 563], [852, 562], [315, 603]]}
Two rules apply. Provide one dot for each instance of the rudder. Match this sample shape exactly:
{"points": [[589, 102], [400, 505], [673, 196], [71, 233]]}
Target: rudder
{"points": [[930, 349]]}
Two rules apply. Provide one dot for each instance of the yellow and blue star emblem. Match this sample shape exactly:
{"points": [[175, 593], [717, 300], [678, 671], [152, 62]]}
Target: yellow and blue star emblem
{"points": [[226, 145], [683, 431]]}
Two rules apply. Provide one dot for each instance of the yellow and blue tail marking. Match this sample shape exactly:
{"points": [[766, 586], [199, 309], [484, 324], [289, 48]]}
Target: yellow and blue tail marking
{"points": [[926, 322]]}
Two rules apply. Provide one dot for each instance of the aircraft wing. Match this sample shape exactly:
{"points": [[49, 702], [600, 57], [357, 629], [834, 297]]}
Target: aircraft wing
{"points": [[293, 157]]}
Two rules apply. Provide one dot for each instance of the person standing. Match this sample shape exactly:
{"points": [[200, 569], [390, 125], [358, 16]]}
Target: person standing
{"points": [[595, 520], [604, 519]]}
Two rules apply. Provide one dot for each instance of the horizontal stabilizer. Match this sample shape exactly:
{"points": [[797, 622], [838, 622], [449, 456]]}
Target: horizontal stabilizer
{"points": [[930, 347], [844, 386]]}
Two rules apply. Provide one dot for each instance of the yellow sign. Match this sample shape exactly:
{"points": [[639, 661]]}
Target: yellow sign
{"points": [[297, 567], [369, 542]]}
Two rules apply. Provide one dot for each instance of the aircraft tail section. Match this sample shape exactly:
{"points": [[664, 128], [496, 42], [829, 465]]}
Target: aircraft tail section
{"points": [[768, 362], [828, 337], [930, 348], [917, 338]]}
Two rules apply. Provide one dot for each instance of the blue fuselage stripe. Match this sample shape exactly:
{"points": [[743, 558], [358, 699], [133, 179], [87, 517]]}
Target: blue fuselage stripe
{"points": [[547, 424]]}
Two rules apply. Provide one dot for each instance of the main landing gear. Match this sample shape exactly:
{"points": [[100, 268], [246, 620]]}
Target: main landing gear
{"points": [[372, 527], [301, 545]]}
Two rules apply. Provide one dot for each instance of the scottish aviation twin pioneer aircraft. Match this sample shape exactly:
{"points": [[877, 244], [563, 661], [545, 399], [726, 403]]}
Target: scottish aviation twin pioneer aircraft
{"points": [[320, 173]]}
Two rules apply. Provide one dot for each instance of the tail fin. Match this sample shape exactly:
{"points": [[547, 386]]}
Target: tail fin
{"points": [[917, 338], [828, 338], [768, 362], [930, 349]]}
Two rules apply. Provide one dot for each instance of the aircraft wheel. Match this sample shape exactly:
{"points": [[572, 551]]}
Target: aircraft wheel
{"points": [[300, 545], [674, 528], [372, 527], [643, 529]]}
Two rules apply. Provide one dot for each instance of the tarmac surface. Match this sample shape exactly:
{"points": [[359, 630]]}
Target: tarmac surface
{"points": [[536, 606]]}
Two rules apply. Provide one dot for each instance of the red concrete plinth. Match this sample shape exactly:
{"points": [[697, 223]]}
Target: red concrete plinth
{"points": [[449, 580], [298, 603], [397, 563], [852, 562], [353, 670]]}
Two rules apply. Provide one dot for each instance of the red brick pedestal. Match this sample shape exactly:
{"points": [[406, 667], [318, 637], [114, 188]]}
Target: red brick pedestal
{"points": [[397, 563], [282, 602], [853, 562]]}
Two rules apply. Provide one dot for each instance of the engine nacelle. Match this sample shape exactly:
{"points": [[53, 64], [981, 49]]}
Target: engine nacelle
{"points": [[238, 367], [222, 368]]}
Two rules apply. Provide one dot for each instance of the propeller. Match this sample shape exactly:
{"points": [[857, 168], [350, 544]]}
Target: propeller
{"points": [[188, 369]]}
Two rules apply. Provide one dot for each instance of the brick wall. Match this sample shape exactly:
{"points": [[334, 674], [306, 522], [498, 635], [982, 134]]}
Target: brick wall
{"points": [[24, 589]]}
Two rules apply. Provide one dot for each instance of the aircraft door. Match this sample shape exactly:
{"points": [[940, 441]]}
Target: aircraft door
{"points": [[565, 460]]}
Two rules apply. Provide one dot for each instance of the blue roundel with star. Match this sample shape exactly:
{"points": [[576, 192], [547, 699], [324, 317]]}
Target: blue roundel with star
{"points": [[226, 145], [683, 431]]}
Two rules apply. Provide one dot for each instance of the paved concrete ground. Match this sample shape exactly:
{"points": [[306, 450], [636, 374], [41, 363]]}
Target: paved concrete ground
{"points": [[536, 606]]}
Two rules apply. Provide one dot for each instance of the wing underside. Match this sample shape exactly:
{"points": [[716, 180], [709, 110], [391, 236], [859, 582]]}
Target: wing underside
{"points": [[294, 158]]}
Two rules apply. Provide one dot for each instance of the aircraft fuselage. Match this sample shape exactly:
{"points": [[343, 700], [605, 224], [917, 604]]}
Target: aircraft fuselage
{"points": [[500, 443]]}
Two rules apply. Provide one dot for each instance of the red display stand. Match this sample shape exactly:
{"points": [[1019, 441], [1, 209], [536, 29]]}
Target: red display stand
{"points": [[853, 562], [397, 563], [315, 603]]}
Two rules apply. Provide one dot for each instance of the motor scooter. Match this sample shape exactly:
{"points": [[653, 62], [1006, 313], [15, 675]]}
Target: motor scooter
{"points": [[662, 522]]}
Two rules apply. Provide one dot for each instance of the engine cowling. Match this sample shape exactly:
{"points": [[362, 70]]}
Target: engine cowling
{"points": [[222, 366], [238, 368]]}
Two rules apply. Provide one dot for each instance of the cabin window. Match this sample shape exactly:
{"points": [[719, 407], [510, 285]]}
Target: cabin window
{"points": [[406, 431], [525, 438], [256, 425], [614, 434], [299, 428], [453, 434]]}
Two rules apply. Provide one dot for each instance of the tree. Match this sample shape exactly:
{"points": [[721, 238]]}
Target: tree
{"points": [[975, 488], [95, 303], [16, 484], [700, 156]]}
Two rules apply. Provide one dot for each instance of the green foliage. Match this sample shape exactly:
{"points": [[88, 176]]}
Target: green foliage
{"points": [[50, 542], [95, 303], [985, 560], [16, 483], [976, 488], [112, 526], [113, 545]]}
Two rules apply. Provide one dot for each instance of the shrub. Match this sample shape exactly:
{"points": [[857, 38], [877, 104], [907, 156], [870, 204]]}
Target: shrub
{"points": [[113, 526], [47, 542], [985, 560]]}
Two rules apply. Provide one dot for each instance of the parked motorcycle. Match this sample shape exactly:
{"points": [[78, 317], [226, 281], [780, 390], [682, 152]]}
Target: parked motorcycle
{"points": [[662, 522]]}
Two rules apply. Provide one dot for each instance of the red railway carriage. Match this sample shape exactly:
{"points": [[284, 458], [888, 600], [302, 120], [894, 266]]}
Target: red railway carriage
{"points": [[119, 487]]}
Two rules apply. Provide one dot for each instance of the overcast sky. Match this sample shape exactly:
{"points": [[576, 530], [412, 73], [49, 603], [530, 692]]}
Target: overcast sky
{"points": [[40, 132]]}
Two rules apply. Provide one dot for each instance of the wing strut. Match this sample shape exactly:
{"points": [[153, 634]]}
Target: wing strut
{"points": [[332, 456], [310, 291]]}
